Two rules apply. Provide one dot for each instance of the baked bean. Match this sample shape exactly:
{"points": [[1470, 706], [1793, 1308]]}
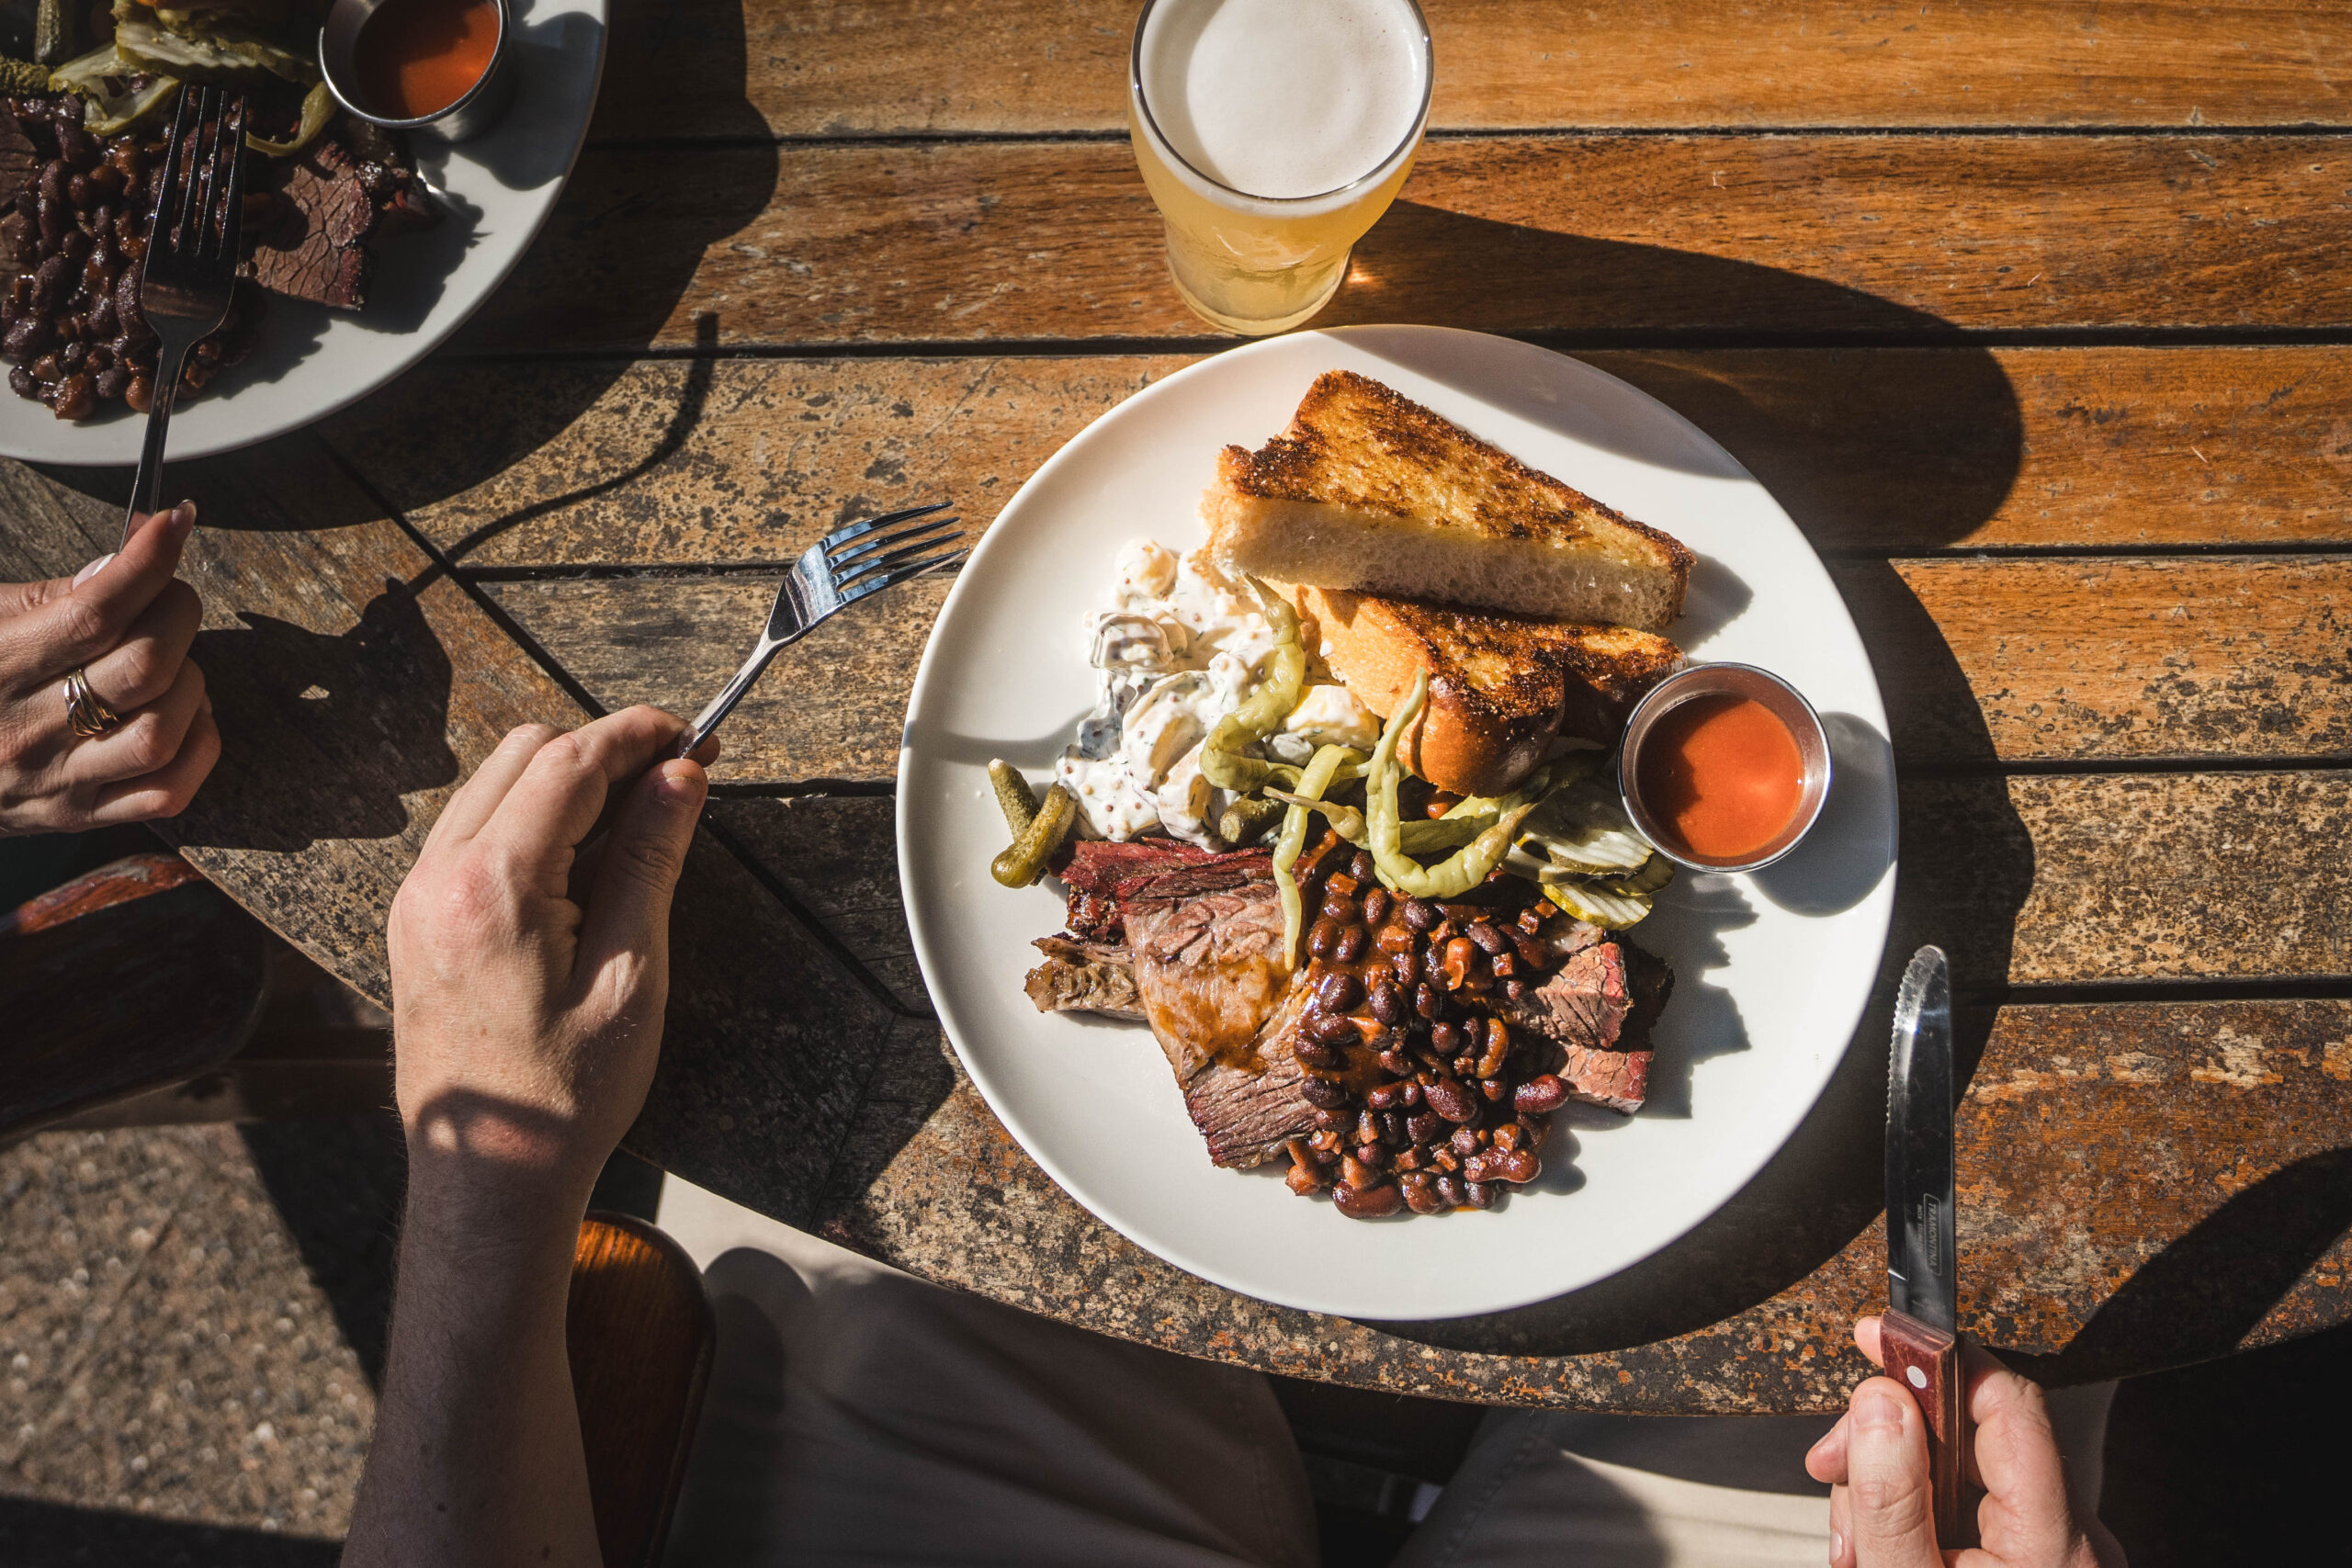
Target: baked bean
{"points": [[1392, 1128], [1532, 953], [1496, 1089], [1361, 865], [140, 396], [1450, 1100], [1445, 1038], [1341, 907], [1427, 1001], [1325, 1094], [1515, 990], [1545, 1092], [1313, 1053], [1420, 914], [1421, 1194], [21, 382], [1425, 1125], [1517, 1167], [1449, 1189], [1488, 939], [1387, 1002], [1387, 1096], [1322, 937], [1366, 1203], [1409, 1092], [1465, 1140], [1339, 991], [1403, 962], [75, 398], [1395, 1061], [1497, 1048], [1329, 1029], [1352, 944], [1480, 1194], [1376, 904]]}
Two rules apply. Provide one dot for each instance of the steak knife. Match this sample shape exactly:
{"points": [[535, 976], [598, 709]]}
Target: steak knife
{"points": [[1920, 1331]]}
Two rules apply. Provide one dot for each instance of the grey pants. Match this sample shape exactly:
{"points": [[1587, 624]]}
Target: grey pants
{"points": [[858, 1416]]}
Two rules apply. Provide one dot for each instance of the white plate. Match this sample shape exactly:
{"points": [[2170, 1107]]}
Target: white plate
{"points": [[497, 189], [1772, 971]]}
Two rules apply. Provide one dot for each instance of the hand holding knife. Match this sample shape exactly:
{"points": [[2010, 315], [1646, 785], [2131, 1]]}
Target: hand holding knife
{"points": [[1920, 1331]]}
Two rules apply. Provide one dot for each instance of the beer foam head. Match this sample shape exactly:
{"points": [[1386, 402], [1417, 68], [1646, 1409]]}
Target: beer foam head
{"points": [[1283, 99]]}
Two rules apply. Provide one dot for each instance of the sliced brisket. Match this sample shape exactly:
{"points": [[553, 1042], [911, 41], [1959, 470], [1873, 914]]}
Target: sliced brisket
{"points": [[1597, 1010], [337, 201], [1079, 976]]}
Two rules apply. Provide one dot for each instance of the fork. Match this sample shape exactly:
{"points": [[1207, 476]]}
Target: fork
{"points": [[832, 574], [190, 269]]}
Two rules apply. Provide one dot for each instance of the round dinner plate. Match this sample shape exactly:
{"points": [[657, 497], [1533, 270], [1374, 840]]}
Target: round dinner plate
{"points": [[1771, 970], [496, 190]]}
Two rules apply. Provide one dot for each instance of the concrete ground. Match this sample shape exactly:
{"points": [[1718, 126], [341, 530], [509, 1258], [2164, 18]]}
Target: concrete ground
{"points": [[192, 1325]]}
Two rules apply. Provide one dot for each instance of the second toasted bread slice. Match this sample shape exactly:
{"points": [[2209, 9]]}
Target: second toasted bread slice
{"points": [[1370, 492], [1501, 686]]}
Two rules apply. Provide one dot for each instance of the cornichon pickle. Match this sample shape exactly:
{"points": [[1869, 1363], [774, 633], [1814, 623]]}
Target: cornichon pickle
{"points": [[1246, 820], [1013, 797], [1026, 861]]}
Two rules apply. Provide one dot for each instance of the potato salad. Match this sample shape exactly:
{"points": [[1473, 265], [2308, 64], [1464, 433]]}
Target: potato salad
{"points": [[1181, 645]]}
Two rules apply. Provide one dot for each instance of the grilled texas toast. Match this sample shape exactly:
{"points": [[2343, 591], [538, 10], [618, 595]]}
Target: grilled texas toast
{"points": [[1501, 686], [1370, 492]]}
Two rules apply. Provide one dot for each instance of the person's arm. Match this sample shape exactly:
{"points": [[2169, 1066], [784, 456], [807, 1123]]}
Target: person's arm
{"points": [[527, 994], [125, 622], [1880, 1512]]}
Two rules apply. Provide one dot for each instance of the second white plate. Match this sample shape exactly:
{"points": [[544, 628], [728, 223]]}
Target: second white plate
{"points": [[1772, 971]]}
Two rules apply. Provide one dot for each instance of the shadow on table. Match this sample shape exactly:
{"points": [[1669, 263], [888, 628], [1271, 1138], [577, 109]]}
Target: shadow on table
{"points": [[1881, 431], [35, 1532], [2197, 1300]]}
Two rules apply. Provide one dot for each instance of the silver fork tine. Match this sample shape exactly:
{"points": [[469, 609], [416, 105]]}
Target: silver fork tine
{"points": [[867, 569], [220, 225], [891, 579], [843, 535], [841, 558], [198, 237], [168, 204], [188, 199]]}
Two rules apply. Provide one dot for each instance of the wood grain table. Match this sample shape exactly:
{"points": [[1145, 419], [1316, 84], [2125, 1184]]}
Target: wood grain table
{"points": [[2037, 318]]}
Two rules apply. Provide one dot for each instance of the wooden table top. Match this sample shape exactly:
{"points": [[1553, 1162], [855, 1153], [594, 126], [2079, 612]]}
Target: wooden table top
{"points": [[2037, 319]]}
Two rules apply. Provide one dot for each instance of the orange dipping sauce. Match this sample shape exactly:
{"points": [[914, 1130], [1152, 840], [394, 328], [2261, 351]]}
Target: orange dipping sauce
{"points": [[1724, 775], [417, 56]]}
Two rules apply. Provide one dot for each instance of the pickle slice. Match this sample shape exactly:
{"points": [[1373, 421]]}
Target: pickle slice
{"points": [[1596, 905], [1584, 829]]}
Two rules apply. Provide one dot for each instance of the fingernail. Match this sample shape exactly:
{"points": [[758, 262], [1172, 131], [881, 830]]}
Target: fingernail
{"points": [[91, 570], [1875, 1411], [184, 516], [676, 783], [1836, 1547]]}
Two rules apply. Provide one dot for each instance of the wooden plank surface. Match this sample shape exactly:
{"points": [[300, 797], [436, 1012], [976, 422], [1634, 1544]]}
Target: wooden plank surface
{"points": [[2141, 1185], [969, 242], [893, 67], [717, 461], [1981, 662]]}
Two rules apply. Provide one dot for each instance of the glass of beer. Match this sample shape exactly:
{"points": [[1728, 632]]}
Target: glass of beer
{"points": [[1273, 133]]}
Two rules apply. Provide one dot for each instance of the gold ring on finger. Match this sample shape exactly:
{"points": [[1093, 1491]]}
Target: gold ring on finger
{"points": [[86, 710]]}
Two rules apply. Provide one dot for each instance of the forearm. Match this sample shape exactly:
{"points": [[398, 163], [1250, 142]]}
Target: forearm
{"points": [[477, 1456]]}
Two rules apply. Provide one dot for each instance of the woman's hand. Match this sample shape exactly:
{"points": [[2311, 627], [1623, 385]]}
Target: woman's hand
{"points": [[1880, 1512], [527, 981], [125, 623]]}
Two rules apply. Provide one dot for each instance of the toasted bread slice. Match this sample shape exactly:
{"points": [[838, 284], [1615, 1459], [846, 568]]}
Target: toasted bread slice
{"points": [[1501, 686], [1370, 492]]}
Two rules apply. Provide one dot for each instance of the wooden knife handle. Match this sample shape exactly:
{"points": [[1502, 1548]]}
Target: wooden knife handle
{"points": [[1927, 1361]]}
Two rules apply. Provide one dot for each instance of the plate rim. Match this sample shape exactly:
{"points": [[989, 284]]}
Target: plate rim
{"points": [[1852, 1015], [424, 343]]}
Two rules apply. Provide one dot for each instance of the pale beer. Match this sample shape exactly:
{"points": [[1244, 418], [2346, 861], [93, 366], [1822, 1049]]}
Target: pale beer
{"points": [[1273, 133]]}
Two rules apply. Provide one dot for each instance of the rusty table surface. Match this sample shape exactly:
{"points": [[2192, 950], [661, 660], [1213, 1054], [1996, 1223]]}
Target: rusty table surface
{"points": [[2038, 320]]}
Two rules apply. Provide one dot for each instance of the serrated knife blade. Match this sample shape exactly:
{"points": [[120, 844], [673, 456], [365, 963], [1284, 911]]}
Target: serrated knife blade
{"points": [[1921, 1277], [1919, 1337]]}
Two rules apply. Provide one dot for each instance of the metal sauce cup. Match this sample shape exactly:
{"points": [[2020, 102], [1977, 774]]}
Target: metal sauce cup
{"points": [[476, 109], [1784, 702]]}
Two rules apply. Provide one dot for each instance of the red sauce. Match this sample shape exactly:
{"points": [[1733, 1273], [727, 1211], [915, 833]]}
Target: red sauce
{"points": [[1723, 774], [417, 56]]}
